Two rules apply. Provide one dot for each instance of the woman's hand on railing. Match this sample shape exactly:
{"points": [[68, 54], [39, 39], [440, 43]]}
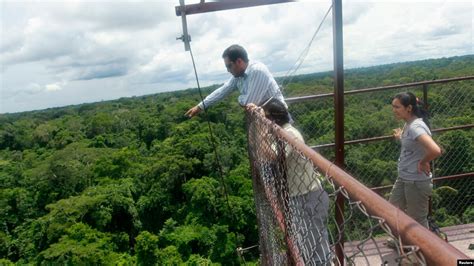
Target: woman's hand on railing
{"points": [[397, 133], [252, 106]]}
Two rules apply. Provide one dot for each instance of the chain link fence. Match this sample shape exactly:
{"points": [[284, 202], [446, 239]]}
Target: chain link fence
{"points": [[296, 200], [374, 161]]}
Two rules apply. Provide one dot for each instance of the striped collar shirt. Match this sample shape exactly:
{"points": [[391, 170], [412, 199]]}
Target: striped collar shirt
{"points": [[256, 86]]}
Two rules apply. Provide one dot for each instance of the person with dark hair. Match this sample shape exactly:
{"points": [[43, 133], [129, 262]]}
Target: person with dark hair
{"points": [[308, 201], [413, 186], [253, 80]]}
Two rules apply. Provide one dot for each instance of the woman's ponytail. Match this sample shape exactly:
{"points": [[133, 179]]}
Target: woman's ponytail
{"points": [[419, 107]]}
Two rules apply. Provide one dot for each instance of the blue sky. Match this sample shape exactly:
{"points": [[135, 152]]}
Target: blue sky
{"points": [[56, 53]]}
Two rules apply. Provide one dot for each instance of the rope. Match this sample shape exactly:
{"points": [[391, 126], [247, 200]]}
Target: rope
{"points": [[211, 137], [304, 53]]}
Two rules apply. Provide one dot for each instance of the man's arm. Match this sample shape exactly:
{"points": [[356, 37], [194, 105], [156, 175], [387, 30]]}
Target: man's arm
{"points": [[214, 97]]}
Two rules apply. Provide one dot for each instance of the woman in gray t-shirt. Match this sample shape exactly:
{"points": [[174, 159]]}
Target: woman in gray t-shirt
{"points": [[413, 186]]}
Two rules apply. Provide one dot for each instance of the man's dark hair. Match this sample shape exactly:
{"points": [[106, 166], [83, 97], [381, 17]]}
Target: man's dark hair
{"points": [[276, 111], [234, 52]]}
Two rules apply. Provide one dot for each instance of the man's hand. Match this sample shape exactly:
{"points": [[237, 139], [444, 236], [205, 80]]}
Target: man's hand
{"points": [[193, 111], [397, 133]]}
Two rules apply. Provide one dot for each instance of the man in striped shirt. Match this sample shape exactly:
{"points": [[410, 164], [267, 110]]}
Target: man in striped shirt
{"points": [[253, 80]]}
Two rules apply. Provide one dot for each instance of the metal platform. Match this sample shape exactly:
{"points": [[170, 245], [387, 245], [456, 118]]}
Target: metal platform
{"points": [[376, 252]]}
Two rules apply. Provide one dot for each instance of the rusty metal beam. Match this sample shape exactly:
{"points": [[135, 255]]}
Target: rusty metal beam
{"points": [[356, 141], [280, 217], [338, 115], [453, 177], [382, 88], [435, 180], [204, 7]]}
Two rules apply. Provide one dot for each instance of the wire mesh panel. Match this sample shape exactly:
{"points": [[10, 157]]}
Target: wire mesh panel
{"points": [[315, 119], [295, 203], [374, 163]]}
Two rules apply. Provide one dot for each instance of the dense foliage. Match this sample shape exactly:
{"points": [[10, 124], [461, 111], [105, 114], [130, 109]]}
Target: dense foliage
{"points": [[133, 181]]}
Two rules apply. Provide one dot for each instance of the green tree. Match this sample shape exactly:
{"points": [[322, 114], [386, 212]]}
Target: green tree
{"points": [[101, 123], [81, 245], [146, 248], [109, 208]]}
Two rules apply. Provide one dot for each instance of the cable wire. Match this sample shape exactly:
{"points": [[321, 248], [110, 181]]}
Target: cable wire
{"points": [[211, 136], [304, 53]]}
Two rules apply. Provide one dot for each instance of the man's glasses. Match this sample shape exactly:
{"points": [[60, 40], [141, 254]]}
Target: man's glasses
{"points": [[229, 65]]}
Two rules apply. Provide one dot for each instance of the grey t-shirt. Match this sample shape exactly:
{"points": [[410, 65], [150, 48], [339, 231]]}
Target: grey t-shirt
{"points": [[412, 151]]}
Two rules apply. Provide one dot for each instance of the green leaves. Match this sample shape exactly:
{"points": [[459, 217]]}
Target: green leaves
{"points": [[108, 208], [134, 181], [146, 248], [81, 245]]}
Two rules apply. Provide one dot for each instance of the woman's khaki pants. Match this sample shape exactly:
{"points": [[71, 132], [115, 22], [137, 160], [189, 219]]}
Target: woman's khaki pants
{"points": [[413, 198]]}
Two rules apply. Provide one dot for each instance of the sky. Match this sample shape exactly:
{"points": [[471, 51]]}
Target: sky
{"points": [[58, 53]]}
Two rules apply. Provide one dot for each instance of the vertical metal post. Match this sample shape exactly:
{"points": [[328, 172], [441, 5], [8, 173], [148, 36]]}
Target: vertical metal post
{"points": [[425, 96], [339, 116], [425, 101], [186, 38]]}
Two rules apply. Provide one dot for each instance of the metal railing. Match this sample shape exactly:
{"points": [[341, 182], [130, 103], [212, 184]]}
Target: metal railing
{"points": [[370, 151], [291, 184]]}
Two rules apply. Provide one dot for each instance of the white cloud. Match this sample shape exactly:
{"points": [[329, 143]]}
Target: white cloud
{"points": [[33, 88], [57, 53], [53, 87], [397, 33]]}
